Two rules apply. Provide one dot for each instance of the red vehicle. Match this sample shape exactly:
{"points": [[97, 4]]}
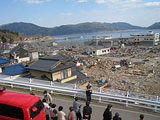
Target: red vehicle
{"points": [[20, 106]]}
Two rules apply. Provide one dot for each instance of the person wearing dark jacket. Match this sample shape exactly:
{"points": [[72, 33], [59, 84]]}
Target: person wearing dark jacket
{"points": [[88, 92], [87, 111], [107, 115], [116, 117]]}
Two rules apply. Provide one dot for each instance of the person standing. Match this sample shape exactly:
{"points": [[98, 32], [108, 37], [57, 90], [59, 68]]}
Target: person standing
{"points": [[72, 114], [107, 115], [141, 117], [47, 108], [53, 112], [87, 111], [61, 114], [88, 92], [77, 108], [116, 117], [47, 97]]}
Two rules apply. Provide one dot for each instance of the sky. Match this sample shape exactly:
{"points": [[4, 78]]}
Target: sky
{"points": [[51, 13]]}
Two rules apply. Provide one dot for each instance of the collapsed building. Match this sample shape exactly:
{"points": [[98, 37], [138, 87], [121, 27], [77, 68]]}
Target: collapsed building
{"points": [[148, 39]]}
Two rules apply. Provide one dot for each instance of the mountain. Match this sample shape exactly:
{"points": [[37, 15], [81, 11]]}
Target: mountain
{"points": [[25, 28], [155, 26], [125, 25], [88, 27]]}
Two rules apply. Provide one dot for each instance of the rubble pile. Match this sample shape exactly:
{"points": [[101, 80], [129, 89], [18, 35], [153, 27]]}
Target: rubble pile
{"points": [[136, 69], [133, 68]]}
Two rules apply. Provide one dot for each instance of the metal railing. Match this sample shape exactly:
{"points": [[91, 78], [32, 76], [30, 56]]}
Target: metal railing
{"points": [[100, 94]]}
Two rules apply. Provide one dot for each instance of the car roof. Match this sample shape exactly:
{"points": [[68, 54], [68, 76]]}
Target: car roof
{"points": [[18, 99]]}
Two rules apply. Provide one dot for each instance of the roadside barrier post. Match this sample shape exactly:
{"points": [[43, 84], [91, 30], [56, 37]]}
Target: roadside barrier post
{"points": [[11, 77], [127, 100], [155, 108], [30, 81], [51, 86], [75, 87], [100, 91]]}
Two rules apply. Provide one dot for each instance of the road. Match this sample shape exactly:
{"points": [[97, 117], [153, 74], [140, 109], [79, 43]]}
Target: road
{"points": [[99, 109]]}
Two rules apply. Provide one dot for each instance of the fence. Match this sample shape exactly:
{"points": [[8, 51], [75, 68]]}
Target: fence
{"points": [[100, 94]]}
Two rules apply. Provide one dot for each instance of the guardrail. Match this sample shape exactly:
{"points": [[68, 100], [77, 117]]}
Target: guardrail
{"points": [[100, 94]]}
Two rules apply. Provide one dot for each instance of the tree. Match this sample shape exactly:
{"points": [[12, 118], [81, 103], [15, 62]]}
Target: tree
{"points": [[4, 40], [11, 40]]}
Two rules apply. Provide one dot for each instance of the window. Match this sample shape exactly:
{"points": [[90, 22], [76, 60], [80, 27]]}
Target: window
{"points": [[103, 51], [11, 111], [64, 74], [36, 109]]}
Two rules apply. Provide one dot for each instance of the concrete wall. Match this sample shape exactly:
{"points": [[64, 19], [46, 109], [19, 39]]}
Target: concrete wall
{"points": [[146, 43]]}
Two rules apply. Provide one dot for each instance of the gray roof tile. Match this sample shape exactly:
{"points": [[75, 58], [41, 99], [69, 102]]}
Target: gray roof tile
{"points": [[51, 64]]}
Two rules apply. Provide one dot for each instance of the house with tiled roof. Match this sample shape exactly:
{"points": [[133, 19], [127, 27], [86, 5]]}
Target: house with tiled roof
{"points": [[55, 68], [19, 54]]}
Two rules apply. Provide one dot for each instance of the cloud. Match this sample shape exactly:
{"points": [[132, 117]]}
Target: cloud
{"points": [[67, 14], [116, 1], [35, 1], [100, 1], [82, 1], [150, 4], [106, 1], [133, 0]]}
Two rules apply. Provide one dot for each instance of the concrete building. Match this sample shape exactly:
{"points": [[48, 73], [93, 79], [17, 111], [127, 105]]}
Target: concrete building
{"points": [[149, 38]]}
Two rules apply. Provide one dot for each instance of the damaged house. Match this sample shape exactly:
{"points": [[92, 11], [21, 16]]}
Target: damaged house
{"points": [[19, 54], [55, 68]]}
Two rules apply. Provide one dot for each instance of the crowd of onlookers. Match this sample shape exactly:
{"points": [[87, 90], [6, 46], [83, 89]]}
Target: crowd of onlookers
{"points": [[75, 110]]}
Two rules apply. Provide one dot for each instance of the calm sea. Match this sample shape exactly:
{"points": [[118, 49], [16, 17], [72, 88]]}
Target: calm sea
{"points": [[114, 34]]}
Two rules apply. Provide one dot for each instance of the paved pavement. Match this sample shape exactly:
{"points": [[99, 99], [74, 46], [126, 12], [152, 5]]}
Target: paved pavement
{"points": [[99, 109]]}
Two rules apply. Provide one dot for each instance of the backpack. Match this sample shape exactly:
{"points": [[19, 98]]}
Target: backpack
{"points": [[54, 113]]}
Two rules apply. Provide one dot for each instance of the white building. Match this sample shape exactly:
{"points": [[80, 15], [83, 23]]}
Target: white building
{"points": [[101, 37], [149, 37], [34, 55], [103, 51]]}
